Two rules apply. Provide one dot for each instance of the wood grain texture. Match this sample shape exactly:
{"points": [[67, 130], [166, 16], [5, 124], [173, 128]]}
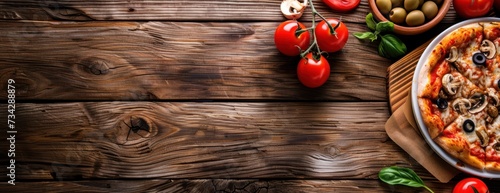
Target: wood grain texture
{"points": [[225, 186], [184, 10], [70, 141], [400, 75], [174, 60]]}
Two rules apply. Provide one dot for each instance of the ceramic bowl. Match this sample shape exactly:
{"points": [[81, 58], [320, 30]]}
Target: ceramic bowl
{"points": [[406, 30]]}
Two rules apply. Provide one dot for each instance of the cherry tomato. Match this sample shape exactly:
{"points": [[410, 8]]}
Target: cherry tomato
{"points": [[287, 41], [342, 5], [472, 8], [330, 42], [467, 185], [311, 72]]}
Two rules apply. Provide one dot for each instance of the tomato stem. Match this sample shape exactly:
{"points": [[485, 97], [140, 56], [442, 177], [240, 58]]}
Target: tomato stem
{"points": [[312, 29], [314, 12], [300, 31]]}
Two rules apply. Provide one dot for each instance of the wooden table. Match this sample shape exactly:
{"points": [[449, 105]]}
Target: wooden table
{"points": [[213, 105]]}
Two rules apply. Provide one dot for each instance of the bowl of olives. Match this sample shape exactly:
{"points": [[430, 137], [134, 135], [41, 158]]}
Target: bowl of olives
{"points": [[410, 17]]}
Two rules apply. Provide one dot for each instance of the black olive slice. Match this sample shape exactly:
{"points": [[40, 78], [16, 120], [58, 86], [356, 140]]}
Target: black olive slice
{"points": [[468, 126], [479, 59], [442, 103]]}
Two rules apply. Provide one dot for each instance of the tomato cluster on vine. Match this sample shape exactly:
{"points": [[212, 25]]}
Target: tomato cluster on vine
{"points": [[292, 38]]}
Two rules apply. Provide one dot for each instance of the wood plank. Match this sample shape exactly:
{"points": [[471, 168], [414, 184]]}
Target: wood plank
{"points": [[174, 60], [233, 10], [184, 10], [223, 185], [87, 140]]}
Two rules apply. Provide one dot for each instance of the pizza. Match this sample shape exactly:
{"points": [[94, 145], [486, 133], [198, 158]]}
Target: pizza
{"points": [[458, 94]]}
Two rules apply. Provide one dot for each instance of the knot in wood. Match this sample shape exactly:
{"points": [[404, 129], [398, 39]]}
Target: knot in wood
{"points": [[96, 66], [138, 126]]}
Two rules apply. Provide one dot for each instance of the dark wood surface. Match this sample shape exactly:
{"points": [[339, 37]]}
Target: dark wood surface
{"points": [[223, 108]]}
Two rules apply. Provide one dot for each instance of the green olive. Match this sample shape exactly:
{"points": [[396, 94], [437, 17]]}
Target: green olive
{"points": [[430, 9], [397, 15], [415, 17], [411, 5], [384, 6], [397, 3]]}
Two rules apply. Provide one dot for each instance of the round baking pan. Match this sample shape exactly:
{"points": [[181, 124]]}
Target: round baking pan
{"points": [[416, 110]]}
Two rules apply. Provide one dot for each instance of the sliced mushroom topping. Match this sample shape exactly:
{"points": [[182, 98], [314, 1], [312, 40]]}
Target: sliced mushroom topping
{"points": [[453, 55], [451, 84], [478, 102], [293, 9], [493, 97], [496, 147], [483, 137], [461, 105], [488, 49]]}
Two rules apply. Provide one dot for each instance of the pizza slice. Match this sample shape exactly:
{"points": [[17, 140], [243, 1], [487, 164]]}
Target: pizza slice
{"points": [[455, 85], [454, 95], [493, 149], [490, 46], [463, 140], [468, 59], [444, 54], [438, 113], [430, 86]]}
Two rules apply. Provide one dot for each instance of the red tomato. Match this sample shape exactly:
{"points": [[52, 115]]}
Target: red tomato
{"points": [[342, 5], [466, 186], [287, 42], [313, 73], [472, 8], [329, 42]]}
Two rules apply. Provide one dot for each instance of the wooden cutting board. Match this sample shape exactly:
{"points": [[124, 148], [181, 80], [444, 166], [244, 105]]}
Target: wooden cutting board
{"points": [[399, 77]]}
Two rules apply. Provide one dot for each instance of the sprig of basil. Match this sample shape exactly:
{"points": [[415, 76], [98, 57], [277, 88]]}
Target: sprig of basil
{"points": [[390, 46], [395, 175], [385, 26], [370, 22]]}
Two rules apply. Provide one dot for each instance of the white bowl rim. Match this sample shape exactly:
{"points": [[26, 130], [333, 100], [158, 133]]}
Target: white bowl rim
{"points": [[416, 109]]}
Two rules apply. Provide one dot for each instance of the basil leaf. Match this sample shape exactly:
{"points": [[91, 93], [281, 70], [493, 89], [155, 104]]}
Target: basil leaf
{"points": [[402, 176], [370, 22], [365, 35], [385, 26], [391, 47]]}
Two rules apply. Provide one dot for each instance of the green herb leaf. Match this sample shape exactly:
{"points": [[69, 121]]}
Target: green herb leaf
{"points": [[385, 26], [401, 176], [370, 22], [391, 47], [365, 35]]}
